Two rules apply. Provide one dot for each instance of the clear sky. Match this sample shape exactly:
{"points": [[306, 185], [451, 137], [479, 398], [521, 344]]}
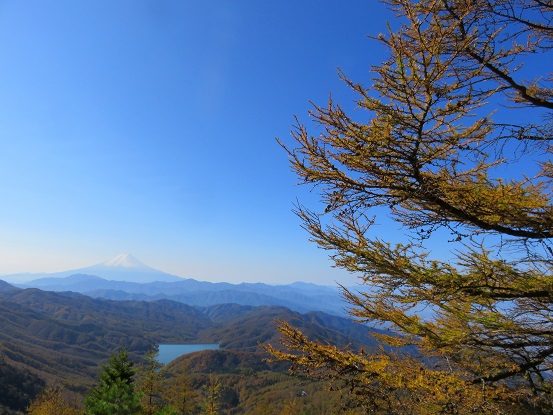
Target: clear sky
{"points": [[148, 127]]}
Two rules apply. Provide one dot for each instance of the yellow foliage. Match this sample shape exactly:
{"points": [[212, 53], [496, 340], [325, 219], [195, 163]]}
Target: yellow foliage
{"points": [[51, 402], [446, 152]]}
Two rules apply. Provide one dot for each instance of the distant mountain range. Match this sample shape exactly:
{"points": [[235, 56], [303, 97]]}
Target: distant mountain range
{"points": [[126, 278], [123, 267]]}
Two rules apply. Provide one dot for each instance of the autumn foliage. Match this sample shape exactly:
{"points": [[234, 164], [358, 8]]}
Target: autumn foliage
{"points": [[452, 142]]}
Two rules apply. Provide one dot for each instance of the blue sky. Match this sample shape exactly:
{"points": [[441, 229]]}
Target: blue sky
{"points": [[149, 127]]}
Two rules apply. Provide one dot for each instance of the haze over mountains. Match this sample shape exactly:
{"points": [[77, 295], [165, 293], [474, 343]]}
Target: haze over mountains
{"points": [[126, 278], [123, 267]]}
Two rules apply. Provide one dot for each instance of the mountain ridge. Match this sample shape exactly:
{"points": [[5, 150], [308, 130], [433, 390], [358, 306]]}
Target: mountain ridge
{"points": [[302, 298], [124, 277]]}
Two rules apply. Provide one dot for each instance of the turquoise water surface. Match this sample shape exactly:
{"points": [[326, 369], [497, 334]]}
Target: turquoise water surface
{"points": [[169, 352]]}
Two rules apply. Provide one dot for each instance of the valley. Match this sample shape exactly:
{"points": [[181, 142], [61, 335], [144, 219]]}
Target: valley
{"points": [[62, 336]]}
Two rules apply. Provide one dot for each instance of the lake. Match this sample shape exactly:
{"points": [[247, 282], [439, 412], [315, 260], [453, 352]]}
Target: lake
{"points": [[169, 352]]}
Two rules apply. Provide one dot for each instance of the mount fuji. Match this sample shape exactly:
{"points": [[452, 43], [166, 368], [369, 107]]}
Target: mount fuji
{"points": [[126, 278], [123, 267]]}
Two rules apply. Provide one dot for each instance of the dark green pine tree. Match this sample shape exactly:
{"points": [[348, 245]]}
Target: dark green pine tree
{"points": [[115, 393]]}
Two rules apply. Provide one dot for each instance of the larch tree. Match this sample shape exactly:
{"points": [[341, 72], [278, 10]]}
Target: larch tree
{"points": [[150, 383], [51, 402], [212, 396], [180, 393], [452, 141]]}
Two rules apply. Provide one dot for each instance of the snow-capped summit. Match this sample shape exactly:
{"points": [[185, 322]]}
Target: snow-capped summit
{"points": [[123, 267], [124, 261]]}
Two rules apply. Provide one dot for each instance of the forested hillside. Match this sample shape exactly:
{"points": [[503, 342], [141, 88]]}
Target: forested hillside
{"points": [[64, 338], [18, 387], [250, 385]]}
